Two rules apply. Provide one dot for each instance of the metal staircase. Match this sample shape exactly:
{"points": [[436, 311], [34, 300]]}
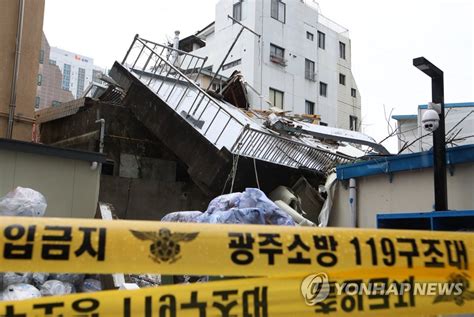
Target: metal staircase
{"points": [[172, 75]]}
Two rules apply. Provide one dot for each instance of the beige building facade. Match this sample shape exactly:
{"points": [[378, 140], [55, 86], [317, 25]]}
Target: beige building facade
{"points": [[28, 64]]}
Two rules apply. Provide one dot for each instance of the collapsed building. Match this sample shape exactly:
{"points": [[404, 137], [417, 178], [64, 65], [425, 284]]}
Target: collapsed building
{"points": [[174, 145]]}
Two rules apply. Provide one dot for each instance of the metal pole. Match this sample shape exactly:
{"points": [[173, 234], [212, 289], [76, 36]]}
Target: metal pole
{"points": [[225, 58], [439, 138], [439, 148], [16, 69], [130, 48], [231, 47]]}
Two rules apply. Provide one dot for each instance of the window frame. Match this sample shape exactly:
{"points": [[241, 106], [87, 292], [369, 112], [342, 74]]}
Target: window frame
{"points": [[342, 79], [309, 36], [321, 40], [39, 80], [309, 74], [276, 58], [321, 85], [232, 64], [353, 120], [309, 104], [342, 50], [272, 97], [238, 4], [353, 92], [275, 8]]}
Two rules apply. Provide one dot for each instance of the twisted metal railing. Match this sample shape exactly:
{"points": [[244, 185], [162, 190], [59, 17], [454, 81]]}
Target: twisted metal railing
{"points": [[273, 148], [172, 74]]}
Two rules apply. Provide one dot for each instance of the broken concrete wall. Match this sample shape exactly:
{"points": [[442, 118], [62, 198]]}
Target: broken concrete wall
{"points": [[145, 199], [144, 180]]}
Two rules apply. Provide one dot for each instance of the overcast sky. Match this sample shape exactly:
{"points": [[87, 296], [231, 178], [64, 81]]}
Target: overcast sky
{"points": [[386, 35]]}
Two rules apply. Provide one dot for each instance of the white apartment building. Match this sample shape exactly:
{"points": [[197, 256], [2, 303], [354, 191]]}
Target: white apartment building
{"points": [[78, 71], [301, 63]]}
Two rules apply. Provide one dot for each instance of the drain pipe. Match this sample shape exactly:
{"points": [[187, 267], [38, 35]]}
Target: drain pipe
{"points": [[353, 201], [101, 141], [16, 69]]}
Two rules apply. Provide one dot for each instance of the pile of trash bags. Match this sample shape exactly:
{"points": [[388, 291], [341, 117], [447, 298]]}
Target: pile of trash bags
{"points": [[20, 286], [26, 202], [249, 207]]}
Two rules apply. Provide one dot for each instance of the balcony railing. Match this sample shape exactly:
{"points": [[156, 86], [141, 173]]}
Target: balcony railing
{"points": [[172, 75], [276, 149], [278, 60]]}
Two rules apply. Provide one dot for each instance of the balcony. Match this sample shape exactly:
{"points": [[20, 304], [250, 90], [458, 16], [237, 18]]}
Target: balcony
{"points": [[278, 60]]}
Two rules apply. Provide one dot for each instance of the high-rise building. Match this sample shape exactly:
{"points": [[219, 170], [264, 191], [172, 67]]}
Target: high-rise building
{"points": [[301, 63], [50, 92], [21, 23], [78, 70]]}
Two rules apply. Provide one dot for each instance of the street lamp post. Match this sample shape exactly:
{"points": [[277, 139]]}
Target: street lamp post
{"points": [[439, 142]]}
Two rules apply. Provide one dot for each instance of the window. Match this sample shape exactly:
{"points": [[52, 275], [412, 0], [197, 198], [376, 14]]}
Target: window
{"points": [[277, 54], [66, 76], [309, 107], [40, 79], [55, 103], [309, 72], [41, 57], [96, 75], [342, 79], [321, 40], [52, 62], [353, 123], [232, 64], [342, 50], [237, 11], [310, 36], [276, 98], [37, 102], [353, 93], [278, 9], [324, 124], [81, 75], [323, 89]]}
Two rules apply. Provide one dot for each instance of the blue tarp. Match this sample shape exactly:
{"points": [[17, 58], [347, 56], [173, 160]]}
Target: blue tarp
{"points": [[249, 207]]}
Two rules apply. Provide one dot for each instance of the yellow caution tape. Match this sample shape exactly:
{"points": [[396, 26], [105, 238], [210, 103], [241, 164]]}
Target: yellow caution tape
{"points": [[256, 297], [98, 246]]}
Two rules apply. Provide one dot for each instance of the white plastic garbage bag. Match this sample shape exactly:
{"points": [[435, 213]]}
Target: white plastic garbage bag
{"points": [[75, 279], [20, 292], [39, 279], [55, 287], [23, 202], [10, 278]]}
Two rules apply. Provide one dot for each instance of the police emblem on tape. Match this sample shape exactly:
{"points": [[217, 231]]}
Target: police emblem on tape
{"points": [[165, 244]]}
